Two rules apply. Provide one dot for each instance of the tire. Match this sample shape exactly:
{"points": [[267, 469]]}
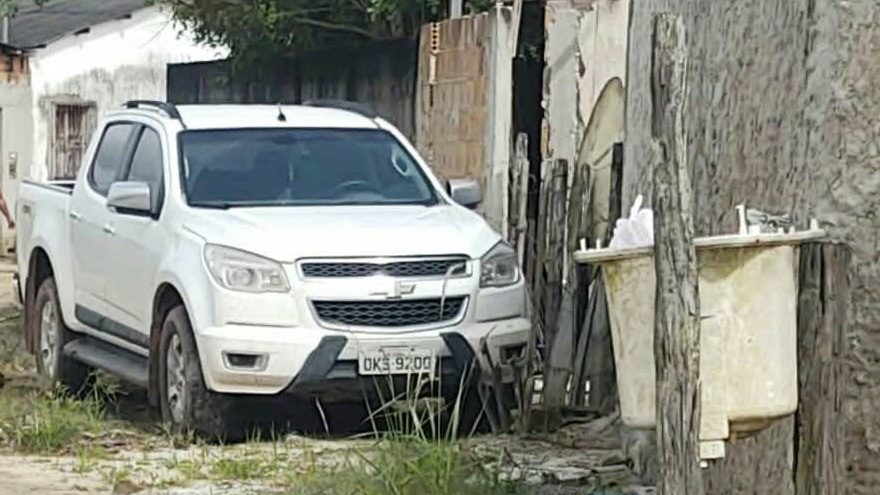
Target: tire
{"points": [[47, 324], [187, 406]]}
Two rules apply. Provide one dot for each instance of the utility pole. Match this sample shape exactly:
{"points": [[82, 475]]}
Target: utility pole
{"points": [[677, 303]]}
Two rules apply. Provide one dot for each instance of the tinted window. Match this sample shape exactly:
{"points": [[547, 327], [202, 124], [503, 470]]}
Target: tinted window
{"points": [[109, 158], [146, 165], [272, 167]]}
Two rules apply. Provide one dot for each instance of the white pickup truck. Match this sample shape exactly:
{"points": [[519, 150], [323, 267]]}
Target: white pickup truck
{"points": [[215, 252]]}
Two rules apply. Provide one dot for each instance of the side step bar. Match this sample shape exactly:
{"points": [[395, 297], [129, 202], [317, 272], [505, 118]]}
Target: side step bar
{"points": [[125, 364]]}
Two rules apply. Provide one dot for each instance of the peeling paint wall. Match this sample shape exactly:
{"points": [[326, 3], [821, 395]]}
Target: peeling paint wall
{"points": [[106, 66], [585, 50], [784, 114], [463, 103]]}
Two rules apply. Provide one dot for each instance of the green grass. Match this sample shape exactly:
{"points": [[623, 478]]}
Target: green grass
{"points": [[48, 422], [417, 453], [411, 466]]}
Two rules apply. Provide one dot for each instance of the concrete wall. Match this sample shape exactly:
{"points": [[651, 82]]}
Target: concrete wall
{"points": [[783, 114], [110, 64], [463, 103], [16, 142]]}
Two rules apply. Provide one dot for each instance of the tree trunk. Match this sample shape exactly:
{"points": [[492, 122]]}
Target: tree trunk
{"points": [[677, 313]]}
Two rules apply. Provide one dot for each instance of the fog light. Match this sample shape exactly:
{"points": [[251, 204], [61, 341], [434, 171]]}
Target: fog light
{"points": [[245, 361]]}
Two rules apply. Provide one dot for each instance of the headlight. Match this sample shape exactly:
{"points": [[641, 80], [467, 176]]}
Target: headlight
{"points": [[243, 271], [499, 267]]}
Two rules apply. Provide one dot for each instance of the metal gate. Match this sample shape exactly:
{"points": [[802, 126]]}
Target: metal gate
{"points": [[73, 128]]}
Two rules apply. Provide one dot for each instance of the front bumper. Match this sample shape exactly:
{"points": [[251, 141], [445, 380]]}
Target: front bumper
{"points": [[304, 361]]}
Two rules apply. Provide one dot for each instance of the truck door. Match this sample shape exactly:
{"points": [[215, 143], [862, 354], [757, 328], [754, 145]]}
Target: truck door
{"points": [[89, 219], [138, 240]]}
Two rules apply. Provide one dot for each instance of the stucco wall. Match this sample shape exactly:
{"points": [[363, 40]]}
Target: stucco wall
{"points": [[112, 63], [16, 139], [783, 114]]}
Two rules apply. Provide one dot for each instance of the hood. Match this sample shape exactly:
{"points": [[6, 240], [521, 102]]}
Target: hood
{"points": [[289, 233]]}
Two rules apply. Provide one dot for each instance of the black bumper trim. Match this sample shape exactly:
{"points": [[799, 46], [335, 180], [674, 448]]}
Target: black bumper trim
{"points": [[324, 374], [320, 361]]}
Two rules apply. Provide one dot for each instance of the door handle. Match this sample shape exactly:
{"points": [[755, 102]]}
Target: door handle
{"points": [[109, 229], [74, 215]]}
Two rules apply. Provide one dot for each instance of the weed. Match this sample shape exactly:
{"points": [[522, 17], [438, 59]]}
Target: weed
{"points": [[88, 457], [192, 468], [417, 452], [46, 422], [241, 468], [116, 475]]}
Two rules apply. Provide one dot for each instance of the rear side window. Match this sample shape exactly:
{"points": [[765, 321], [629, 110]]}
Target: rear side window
{"points": [[146, 165], [110, 157]]}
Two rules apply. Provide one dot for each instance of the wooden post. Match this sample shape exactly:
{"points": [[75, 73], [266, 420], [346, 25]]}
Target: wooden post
{"points": [[557, 359], [677, 313], [822, 315]]}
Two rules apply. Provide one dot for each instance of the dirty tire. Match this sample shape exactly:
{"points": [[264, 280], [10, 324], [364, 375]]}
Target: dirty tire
{"points": [[190, 407], [52, 334]]}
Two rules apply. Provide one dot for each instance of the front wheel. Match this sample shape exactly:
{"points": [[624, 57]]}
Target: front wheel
{"points": [[184, 401], [52, 334]]}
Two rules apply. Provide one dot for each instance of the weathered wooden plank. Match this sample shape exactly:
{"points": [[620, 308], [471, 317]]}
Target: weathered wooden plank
{"points": [[557, 358], [600, 367], [677, 313], [518, 184], [822, 315], [615, 202], [578, 276]]}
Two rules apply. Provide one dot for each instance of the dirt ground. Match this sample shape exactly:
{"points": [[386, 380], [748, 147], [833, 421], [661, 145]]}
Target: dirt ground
{"points": [[132, 455]]}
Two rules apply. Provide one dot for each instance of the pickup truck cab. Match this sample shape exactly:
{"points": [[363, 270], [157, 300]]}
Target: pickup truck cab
{"points": [[214, 252]]}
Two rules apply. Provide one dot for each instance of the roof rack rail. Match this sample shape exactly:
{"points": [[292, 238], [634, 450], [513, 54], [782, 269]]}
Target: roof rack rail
{"points": [[350, 106], [164, 106]]}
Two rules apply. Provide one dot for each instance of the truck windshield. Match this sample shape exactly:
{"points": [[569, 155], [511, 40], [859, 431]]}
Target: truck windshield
{"points": [[280, 167]]}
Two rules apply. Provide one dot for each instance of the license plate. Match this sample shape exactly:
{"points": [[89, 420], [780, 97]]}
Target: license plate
{"points": [[396, 361]]}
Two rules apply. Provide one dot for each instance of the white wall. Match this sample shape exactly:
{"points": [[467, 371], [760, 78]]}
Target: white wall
{"points": [[586, 44], [16, 137], [114, 62]]}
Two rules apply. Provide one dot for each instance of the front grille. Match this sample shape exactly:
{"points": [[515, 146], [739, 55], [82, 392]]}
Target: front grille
{"points": [[416, 268], [389, 313]]}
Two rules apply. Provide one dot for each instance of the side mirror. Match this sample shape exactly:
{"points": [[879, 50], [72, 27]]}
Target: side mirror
{"points": [[465, 192], [130, 197]]}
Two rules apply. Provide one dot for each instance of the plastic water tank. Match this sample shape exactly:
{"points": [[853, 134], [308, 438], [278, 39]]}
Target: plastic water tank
{"points": [[748, 329]]}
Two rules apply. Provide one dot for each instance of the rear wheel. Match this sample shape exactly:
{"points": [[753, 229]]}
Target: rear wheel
{"points": [[185, 402], [52, 334]]}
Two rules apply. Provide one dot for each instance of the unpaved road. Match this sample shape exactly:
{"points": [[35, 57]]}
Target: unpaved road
{"points": [[132, 455]]}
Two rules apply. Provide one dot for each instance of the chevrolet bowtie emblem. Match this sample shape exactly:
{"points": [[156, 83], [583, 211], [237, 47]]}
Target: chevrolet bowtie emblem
{"points": [[397, 290]]}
